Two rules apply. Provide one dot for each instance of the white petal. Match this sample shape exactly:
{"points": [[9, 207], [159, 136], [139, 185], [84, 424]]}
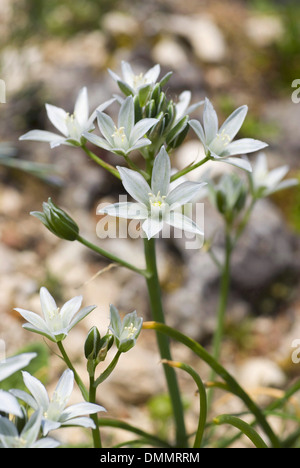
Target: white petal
{"points": [[276, 175], [126, 116], [184, 223], [184, 193], [37, 390], [210, 121], [152, 74], [65, 386], [198, 129], [106, 125], [125, 210], [80, 409], [237, 162], [34, 319], [48, 304], [243, 146], [135, 184], [81, 108], [81, 421], [161, 173], [69, 309], [58, 118], [127, 73], [12, 364], [81, 315], [100, 108], [49, 425], [140, 129], [96, 140], [113, 75], [152, 226], [46, 442], [42, 135], [9, 404], [232, 125]]}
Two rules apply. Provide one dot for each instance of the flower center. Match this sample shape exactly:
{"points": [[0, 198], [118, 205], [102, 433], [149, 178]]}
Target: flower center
{"points": [[224, 137], [130, 330], [119, 136], [139, 80], [73, 127], [157, 200]]}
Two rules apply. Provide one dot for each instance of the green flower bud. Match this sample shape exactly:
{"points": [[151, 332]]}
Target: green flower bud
{"points": [[57, 221], [92, 344]]}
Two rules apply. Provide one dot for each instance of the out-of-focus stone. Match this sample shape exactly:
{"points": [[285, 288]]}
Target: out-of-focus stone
{"points": [[264, 30], [169, 53]]}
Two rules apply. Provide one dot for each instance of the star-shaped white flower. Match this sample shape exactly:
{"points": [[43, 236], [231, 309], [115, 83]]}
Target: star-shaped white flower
{"points": [[265, 182], [124, 137], [28, 437], [55, 412], [127, 331], [55, 323], [157, 204], [218, 142], [72, 126], [135, 82]]}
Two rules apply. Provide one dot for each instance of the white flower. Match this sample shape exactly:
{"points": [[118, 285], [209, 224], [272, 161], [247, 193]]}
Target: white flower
{"points": [[56, 323], [2, 92], [71, 126], [156, 205], [265, 182], [126, 332], [8, 403], [10, 437], [124, 137], [218, 142], [136, 82], [55, 412]]}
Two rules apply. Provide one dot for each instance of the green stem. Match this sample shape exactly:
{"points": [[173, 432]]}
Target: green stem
{"points": [[234, 386], [111, 256], [76, 376], [108, 167], [190, 168], [163, 342], [202, 398], [108, 370], [243, 427], [115, 423], [96, 431]]}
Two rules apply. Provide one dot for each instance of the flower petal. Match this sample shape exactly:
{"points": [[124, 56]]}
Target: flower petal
{"points": [[184, 193], [58, 118], [210, 121], [42, 135], [152, 74], [140, 129], [126, 116], [9, 404], [37, 390], [135, 184], [81, 315], [182, 222], [48, 304], [34, 319], [65, 386], [96, 140], [127, 73], [152, 226], [233, 123], [79, 409], [69, 309], [106, 125], [125, 210], [12, 364], [198, 129], [161, 173], [243, 146], [242, 163], [81, 108]]}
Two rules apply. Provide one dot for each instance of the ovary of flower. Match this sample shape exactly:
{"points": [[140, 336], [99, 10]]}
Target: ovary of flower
{"points": [[131, 330], [73, 126]]}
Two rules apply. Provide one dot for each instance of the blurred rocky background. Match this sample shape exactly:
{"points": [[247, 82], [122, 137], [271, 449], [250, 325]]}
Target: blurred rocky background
{"points": [[234, 52]]}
